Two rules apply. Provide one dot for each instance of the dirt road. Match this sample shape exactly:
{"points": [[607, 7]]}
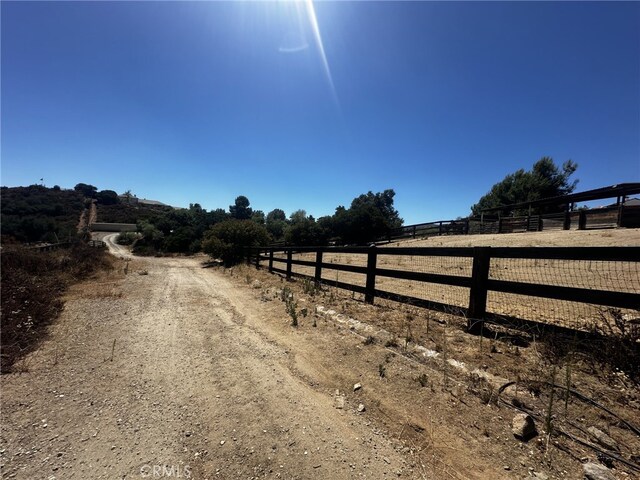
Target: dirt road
{"points": [[110, 239], [173, 370], [168, 372]]}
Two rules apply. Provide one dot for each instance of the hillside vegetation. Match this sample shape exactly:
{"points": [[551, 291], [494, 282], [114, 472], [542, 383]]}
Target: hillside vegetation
{"points": [[40, 214], [123, 213]]}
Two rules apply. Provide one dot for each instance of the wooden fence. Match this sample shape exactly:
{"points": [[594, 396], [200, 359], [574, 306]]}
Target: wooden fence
{"points": [[622, 216], [97, 244], [479, 283], [51, 246], [55, 246]]}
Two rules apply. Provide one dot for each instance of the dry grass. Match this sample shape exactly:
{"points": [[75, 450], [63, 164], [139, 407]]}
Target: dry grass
{"points": [[32, 287], [523, 359], [615, 276]]}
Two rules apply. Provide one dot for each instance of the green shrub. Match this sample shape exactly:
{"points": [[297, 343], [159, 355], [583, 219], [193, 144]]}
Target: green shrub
{"points": [[228, 240], [126, 238]]}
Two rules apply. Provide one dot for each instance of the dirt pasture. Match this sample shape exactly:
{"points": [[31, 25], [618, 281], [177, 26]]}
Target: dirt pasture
{"points": [[602, 275]]}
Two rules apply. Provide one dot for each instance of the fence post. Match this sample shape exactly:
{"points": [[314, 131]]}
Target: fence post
{"points": [[567, 220], [413, 234], [371, 275], [478, 291], [318, 273], [466, 226], [540, 226], [620, 213], [271, 260], [289, 252], [500, 225], [582, 220], [439, 228]]}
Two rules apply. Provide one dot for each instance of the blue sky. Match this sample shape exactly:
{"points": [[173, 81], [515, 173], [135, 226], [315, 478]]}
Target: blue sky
{"points": [[200, 102]]}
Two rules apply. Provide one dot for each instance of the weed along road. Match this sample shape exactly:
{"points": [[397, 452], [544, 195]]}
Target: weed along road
{"points": [[164, 368], [169, 371]]}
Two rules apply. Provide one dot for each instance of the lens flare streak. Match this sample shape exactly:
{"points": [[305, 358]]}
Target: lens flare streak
{"points": [[313, 20]]}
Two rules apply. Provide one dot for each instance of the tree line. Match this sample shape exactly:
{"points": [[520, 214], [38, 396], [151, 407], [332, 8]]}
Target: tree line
{"points": [[37, 213], [223, 234]]}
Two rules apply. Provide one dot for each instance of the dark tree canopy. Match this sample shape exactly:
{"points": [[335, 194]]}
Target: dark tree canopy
{"points": [[86, 190], [258, 217], [304, 230], [107, 197], [276, 214], [227, 240], [544, 180], [370, 217], [276, 223], [241, 210]]}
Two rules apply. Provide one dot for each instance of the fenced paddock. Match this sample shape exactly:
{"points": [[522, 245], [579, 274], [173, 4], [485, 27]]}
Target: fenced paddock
{"points": [[492, 221], [539, 288]]}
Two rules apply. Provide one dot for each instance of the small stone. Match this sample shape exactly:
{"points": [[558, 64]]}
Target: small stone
{"points": [[357, 387], [603, 439], [221, 442], [541, 476], [594, 471], [523, 426], [507, 467], [386, 460], [361, 408], [339, 402]]}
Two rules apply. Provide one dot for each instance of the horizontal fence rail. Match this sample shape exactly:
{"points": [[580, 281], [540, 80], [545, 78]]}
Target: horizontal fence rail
{"points": [[560, 289], [612, 217], [50, 246]]}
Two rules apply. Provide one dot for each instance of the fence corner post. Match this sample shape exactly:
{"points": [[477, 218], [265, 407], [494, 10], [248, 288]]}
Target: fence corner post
{"points": [[370, 287], [478, 292], [271, 260]]}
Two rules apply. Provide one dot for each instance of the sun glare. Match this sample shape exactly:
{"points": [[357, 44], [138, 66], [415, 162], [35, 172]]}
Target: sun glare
{"points": [[313, 20]]}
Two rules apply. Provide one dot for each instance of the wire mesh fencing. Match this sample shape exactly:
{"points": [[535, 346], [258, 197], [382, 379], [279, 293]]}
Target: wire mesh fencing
{"points": [[589, 275], [570, 288]]}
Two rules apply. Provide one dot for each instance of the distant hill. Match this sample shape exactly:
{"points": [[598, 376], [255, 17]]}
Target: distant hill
{"points": [[40, 214], [130, 213]]}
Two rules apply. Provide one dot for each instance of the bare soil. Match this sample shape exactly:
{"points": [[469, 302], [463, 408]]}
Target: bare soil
{"points": [[176, 369], [615, 237], [616, 276]]}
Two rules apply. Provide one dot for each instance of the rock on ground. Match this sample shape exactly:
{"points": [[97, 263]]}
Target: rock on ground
{"points": [[523, 426], [603, 439], [594, 471]]}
